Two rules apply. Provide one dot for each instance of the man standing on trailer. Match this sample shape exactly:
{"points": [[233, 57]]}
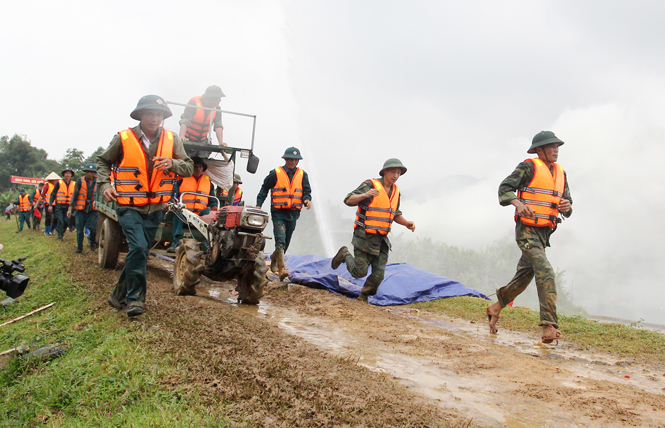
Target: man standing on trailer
{"points": [[201, 202], [538, 189], [289, 190], [195, 122], [147, 159], [60, 200], [378, 201], [83, 206]]}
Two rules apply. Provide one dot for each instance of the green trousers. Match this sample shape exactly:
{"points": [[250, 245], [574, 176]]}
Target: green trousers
{"points": [[140, 231], [84, 220], [533, 263], [24, 217], [359, 265]]}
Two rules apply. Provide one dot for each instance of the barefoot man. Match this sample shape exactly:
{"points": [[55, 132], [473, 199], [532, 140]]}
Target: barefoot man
{"points": [[542, 194]]}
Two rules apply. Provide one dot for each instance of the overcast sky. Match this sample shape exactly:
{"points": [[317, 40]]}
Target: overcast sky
{"points": [[456, 90]]}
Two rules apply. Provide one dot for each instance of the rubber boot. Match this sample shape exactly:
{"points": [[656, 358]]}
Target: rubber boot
{"points": [[79, 243], [273, 262], [283, 274], [92, 241]]}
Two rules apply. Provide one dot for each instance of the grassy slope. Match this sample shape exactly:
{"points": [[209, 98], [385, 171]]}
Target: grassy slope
{"points": [[616, 339], [105, 378]]}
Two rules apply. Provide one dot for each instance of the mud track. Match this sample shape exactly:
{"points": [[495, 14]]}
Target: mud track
{"points": [[307, 357]]}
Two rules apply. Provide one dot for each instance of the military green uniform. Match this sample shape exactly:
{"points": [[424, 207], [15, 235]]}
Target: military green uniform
{"points": [[532, 241], [87, 217], [23, 216], [369, 248], [139, 224]]}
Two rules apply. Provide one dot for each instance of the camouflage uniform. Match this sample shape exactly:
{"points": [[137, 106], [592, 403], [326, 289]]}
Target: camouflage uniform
{"points": [[368, 248], [532, 241]]}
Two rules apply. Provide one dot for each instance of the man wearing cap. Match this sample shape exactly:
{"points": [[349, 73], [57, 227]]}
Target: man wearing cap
{"points": [[45, 199], [83, 205], [236, 191], [199, 201], [538, 189], [24, 204], [38, 211], [289, 191], [146, 158], [61, 197], [378, 201], [195, 122]]}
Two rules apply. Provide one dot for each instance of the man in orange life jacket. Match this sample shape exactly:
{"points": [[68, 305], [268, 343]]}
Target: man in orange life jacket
{"points": [[83, 206], [542, 194], [24, 204], [378, 201], [61, 197], [235, 190], [289, 191], [45, 198], [201, 203], [36, 220], [146, 159], [195, 123]]}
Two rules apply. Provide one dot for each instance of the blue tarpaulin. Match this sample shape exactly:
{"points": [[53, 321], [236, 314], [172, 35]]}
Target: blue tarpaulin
{"points": [[402, 283]]}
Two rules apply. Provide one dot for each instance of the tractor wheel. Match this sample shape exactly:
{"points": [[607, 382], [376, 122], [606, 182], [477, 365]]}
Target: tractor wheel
{"points": [[251, 283], [110, 236], [189, 263]]}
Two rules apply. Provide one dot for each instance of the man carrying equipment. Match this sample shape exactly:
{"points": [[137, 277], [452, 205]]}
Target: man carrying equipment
{"points": [[195, 122], [542, 194], [61, 197], [378, 201], [200, 203], [289, 191], [83, 205], [146, 159]]}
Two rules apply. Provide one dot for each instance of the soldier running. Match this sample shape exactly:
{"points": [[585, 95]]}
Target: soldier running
{"points": [[378, 201], [542, 194], [289, 191]]}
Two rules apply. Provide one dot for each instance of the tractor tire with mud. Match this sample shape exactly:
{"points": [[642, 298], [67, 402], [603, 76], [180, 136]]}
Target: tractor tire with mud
{"points": [[251, 283], [189, 264], [110, 237]]}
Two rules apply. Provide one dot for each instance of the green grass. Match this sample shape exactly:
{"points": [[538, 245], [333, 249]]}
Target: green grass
{"points": [[616, 339], [107, 377]]}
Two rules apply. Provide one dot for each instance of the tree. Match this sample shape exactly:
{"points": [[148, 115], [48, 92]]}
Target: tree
{"points": [[19, 157], [73, 160], [93, 157]]}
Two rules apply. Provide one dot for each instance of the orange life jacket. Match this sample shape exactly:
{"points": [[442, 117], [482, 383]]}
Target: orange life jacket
{"points": [[198, 128], [543, 195], [378, 216], [287, 194], [51, 186], [199, 201], [133, 182], [24, 203], [237, 197], [65, 192], [81, 198]]}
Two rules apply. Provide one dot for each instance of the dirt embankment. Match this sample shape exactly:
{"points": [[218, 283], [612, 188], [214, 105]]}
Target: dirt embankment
{"points": [[307, 357]]}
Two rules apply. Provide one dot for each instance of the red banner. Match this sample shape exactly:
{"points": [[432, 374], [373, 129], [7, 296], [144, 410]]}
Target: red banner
{"points": [[26, 180]]}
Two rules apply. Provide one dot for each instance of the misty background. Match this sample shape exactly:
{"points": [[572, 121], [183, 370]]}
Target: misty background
{"points": [[456, 90]]}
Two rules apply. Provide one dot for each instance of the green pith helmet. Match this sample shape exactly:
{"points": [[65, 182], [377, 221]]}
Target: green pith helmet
{"points": [[198, 161], [90, 167], [237, 179], [151, 102], [292, 153], [67, 169], [392, 163], [213, 92], [543, 138]]}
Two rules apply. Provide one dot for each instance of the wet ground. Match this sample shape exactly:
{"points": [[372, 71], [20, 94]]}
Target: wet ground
{"points": [[510, 379]]}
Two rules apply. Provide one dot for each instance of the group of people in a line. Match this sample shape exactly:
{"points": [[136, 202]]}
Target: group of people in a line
{"points": [[64, 203], [151, 166]]}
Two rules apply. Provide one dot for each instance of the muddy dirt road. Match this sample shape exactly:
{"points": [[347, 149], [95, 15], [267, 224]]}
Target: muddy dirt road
{"points": [[306, 357]]}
